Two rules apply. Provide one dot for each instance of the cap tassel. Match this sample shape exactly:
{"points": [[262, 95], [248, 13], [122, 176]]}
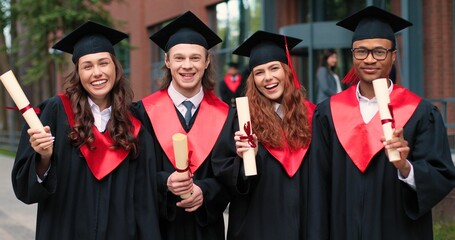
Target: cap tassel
{"points": [[288, 55], [351, 78]]}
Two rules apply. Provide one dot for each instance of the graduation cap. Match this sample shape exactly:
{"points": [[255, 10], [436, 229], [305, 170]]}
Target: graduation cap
{"points": [[263, 47], [89, 38], [187, 29], [233, 64], [373, 22]]}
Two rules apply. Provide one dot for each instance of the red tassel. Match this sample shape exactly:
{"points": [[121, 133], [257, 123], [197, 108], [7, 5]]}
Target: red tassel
{"points": [[351, 78], [288, 55]]}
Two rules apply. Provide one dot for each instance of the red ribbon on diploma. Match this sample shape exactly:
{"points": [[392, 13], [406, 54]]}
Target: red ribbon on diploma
{"points": [[249, 134], [24, 109], [188, 167], [384, 121]]}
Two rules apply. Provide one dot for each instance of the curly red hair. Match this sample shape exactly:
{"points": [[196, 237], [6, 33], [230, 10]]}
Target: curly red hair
{"points": [[268, 126]]}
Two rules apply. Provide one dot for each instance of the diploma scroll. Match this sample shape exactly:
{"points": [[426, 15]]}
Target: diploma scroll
{"points": [[17, 94], [180, 144], [249, 158], [381, 92]]}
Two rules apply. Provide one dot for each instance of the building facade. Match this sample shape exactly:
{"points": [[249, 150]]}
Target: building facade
{"points": [[426, 53], [425, 61]]}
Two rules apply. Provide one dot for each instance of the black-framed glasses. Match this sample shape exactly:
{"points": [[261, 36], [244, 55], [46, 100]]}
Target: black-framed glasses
{"points": [[379, 53]]}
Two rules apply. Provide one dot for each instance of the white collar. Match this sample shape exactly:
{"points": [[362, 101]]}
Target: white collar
{"points": [[360, 97], [177, 98]]}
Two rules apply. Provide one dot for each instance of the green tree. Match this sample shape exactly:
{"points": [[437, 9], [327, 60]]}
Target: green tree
{"points": [[34, 26], [39, 25]]}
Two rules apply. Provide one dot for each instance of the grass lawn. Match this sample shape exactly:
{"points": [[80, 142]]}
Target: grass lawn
{"points": [[444, 231], [7, 153]]}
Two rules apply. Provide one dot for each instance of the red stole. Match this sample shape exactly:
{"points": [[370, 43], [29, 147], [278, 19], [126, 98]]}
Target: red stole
{"points": [[203, 134], [291, 160], [362, 141], [229, 80], [103, 159]]}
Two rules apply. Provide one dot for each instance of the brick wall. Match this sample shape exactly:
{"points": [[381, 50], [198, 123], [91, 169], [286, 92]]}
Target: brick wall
{"points": [[140, 15], [438, 44]]}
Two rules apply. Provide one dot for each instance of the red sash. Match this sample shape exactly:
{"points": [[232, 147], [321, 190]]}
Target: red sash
{"points": [[228, 79], [103, 159], [203, 134], [362, 141], [291, 160]]}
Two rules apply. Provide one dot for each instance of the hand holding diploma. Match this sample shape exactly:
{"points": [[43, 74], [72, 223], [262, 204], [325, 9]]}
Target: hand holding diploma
{"points": [[15, 91], [41, 138], [182, 178], [382, 96], [401, 145], [245, 133], [42, 141]]}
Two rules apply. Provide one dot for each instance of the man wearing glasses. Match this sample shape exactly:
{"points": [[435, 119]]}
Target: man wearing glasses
{"points": [[355, 192]]}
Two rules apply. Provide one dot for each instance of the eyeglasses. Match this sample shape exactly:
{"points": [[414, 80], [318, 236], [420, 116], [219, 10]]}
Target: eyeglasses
{"points": [[379, 53]]}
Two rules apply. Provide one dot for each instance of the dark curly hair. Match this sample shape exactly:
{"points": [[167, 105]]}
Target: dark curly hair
{"points": [[119, 126]]}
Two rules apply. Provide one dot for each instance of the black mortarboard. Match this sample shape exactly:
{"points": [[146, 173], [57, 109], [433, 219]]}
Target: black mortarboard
{"points": [[263, 47], [185, 29], [373, 22], [233, 64], [89, 38]]}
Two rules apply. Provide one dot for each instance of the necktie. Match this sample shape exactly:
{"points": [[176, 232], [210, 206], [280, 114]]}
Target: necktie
{"points": [[189, 106]]}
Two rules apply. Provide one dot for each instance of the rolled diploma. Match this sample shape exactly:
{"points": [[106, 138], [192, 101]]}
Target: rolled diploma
{"points": [[249, 158], [180, 144], [381, 92], [15, 91]]}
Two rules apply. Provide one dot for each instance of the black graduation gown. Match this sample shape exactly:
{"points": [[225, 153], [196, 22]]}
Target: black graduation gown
{"points": [[227, 95], [348, 205], [268, 206], [72, 203], [207, 221]]}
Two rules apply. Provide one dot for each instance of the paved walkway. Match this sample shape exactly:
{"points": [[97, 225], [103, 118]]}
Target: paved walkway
{"points": [[17, 220]]}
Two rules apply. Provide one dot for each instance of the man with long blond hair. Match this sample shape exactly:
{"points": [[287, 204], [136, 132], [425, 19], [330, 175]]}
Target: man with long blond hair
{"points": [[186, 104]]}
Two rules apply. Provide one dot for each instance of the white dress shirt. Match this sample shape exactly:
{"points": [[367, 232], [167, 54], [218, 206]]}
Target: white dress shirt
{"points": [[177, 98], [278, 109], [101, 119], [369, 108]]}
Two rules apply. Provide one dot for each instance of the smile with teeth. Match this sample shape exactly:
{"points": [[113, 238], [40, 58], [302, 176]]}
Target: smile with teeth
{"points": [[99, 82], [270, 86], [187, 74]]}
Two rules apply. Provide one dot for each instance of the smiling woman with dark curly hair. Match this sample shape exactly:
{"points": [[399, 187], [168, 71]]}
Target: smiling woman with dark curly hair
{"points": [[94, 181]]}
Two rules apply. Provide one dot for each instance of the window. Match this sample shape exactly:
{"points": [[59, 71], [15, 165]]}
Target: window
{"points": [[122, 52], [157, 59], [236, 21]]}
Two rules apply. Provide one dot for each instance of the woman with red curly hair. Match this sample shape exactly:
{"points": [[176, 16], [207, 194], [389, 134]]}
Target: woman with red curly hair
{"points": [[271, 204]]}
